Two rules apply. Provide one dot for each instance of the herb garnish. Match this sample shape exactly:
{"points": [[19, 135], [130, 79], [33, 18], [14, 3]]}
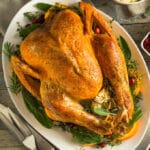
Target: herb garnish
{"points": [[102, 111], [132, 65], [8, 49], [43, 6], [136, 116], [84, 136], [32, 15], [77, 10], [15, 85], [125, 48], [132, 70], [57, 7], [23, 32], [86, 105], [36, 108]]}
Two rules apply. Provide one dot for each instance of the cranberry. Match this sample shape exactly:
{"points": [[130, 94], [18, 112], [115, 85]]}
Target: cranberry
{"points": [[102, 144], [110, 134], [97, 30], [131, 81], [146, 43], [38, 20]]}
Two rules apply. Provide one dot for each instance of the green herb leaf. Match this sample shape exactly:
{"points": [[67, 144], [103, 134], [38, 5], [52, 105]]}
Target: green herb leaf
{"points": [[84, 136], [32, 15], [23, 32], [8, 49], [57, 7], [111, 139], [86, 105], [102, 111], [125, 48], [43, 6], [15, 85], [77, 10], [136, 116], [132, 65], [36, 108]]}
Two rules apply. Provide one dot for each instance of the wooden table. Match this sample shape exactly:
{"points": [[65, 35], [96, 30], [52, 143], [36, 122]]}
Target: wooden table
{"points": [[137, 31]]}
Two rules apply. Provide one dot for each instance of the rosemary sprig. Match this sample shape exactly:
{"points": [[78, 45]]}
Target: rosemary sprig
{"points": [[8, 49], [15, 85]]}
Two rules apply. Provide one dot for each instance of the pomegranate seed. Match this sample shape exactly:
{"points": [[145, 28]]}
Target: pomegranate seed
{"points": [[131, 81], [97, 30], [38, 20], [102, 144], [110, 134]]}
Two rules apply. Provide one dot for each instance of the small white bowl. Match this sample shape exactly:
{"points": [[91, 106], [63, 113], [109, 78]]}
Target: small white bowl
{"points": [[135, 8], [128, 3], [142, 44]]}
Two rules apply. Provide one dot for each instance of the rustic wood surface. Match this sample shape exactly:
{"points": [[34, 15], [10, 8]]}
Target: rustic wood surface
{"points": [[137, 31]]}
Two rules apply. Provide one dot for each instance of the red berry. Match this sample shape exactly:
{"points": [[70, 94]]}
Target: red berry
{"points": [[38, 20], [102, 144], [131, 81], [110, 134], [97, 30]]}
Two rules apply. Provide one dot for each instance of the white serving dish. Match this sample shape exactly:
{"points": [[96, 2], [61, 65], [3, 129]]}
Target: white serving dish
{"points": [[56, 136]]}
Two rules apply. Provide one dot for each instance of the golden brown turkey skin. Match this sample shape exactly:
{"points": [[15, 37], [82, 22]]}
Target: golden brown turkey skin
{"points": [[114, 68], [60, 52], [70, 61]]}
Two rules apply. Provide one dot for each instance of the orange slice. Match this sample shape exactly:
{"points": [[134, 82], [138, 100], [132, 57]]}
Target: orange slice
{"points": [[89, 144], [130, 133]]}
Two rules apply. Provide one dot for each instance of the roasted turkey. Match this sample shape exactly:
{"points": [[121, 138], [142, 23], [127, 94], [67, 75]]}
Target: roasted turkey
{"points": [[71, 61]]}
